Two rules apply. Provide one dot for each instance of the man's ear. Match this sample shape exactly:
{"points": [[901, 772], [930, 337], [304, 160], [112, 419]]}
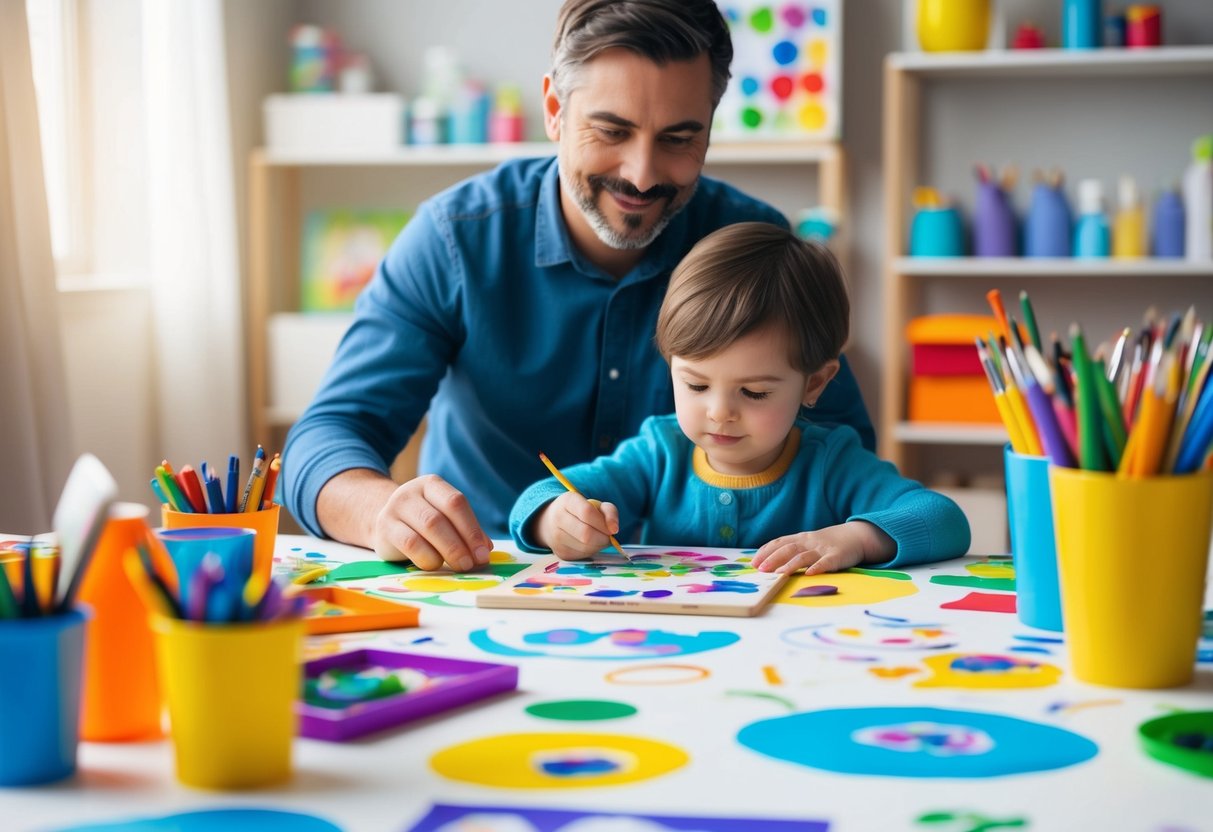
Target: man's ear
{"points": [[551, 110], [817, 382]]}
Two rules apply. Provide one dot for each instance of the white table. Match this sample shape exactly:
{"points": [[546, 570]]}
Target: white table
{"points": [[783, 663]]}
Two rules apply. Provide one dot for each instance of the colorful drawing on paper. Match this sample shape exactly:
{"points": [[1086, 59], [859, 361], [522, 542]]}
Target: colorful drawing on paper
{"points": [[916, 742], [851, 588], [447, 818], [995, 572], [216, 820], [557, 761], [707, 581], [581, 710], [341, 250], [787, 71], [852, 638], [405, 582], [982, 602], [507, 639], [987, 672], [961, 821]]}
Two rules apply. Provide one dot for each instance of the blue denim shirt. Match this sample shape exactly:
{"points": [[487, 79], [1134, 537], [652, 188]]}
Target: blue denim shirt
{"points": [[484, 314]]}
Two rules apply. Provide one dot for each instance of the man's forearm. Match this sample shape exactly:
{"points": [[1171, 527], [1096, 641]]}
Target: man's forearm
{"points": [[349, 503]]}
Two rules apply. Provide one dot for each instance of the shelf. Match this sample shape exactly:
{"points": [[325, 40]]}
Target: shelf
{"points": [[484, 155], [1056, 63], [939, 433], [988, 267]]}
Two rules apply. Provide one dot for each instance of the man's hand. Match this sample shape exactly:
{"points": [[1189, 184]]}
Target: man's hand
{"points": [[831, 549], [575, 528], [429, 522]]}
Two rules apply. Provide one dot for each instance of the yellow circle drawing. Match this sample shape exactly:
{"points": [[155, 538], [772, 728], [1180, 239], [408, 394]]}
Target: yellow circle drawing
{"points": [[812, 116], [658, 674], [497, 556], [443, 583], [853, 588], [975, 670], [557, 761]]}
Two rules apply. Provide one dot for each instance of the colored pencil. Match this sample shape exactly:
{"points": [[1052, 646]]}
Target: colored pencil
{"points": [[568, 485]]}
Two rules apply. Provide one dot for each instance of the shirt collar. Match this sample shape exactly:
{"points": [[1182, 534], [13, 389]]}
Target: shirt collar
{"points": [[554, 246]]}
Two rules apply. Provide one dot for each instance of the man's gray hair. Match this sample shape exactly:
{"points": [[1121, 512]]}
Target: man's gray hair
{"points": [[660, 30]]}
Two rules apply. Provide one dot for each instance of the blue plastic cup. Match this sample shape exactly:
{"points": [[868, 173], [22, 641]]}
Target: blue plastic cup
{"points": [[233, 547], [40, 682], [937, 232], [1033, 547]]}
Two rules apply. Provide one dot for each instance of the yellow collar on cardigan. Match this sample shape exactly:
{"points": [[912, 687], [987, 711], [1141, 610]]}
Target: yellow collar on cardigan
{"points": [[705, 472]]}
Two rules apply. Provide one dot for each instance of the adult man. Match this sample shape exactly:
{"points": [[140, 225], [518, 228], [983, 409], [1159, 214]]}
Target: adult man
{"points": [[519, 306]]}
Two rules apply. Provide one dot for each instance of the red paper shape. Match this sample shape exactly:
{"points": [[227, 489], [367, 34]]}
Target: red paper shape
{"points": [[982, 602]]}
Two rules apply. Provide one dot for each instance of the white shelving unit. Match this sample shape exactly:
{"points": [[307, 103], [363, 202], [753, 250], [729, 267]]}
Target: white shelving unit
{"points": [[908, 77], [276, 219]]}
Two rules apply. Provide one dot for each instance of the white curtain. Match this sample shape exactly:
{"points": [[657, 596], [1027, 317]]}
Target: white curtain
{"points": [[195, 277], [35, 435]]}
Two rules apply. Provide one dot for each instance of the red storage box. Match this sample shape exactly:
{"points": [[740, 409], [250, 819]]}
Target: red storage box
{"points": [[947, 383]]}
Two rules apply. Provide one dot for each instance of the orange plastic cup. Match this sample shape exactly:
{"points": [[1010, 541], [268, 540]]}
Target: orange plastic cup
{"points": [[121, 699], [263, 522]]}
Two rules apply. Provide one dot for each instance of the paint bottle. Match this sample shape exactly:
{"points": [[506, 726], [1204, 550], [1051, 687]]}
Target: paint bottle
{"points": [[470, 114], [1047, 229], [994, 227], [1168, 227], [1081, 24], [1198, 201], [1129, 225], [1143, 26], [313, 59], [427, 123], [1091, 235], [505, 121]]}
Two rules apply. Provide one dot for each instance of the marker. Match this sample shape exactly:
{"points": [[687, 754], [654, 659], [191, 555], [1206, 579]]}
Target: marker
{"points": [[233, 482]]}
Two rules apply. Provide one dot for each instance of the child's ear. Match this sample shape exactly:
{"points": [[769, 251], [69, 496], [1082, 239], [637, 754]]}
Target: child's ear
{"points": [[817, 382], [551, 109]]}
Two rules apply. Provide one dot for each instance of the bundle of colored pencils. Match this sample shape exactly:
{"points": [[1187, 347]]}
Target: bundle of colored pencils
{"points": [[1144, 410], [184, 491]]}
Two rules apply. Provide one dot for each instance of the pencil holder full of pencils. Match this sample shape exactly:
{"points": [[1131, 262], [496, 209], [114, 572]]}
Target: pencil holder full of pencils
{"points": [[264, 522]]}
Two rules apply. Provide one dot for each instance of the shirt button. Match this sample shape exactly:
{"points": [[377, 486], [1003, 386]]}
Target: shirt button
{"points": [[613, 374], [725, 498], [726, 532]]}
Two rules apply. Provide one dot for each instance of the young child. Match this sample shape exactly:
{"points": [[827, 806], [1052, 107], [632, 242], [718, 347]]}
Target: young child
{"points": [[752, 326]]}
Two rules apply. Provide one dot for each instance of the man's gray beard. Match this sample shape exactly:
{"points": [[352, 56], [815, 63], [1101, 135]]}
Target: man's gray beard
{"points": [[602, 228]]}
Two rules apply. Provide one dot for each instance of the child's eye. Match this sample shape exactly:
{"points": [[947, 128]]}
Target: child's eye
{"points": [[754, 394], [696, 388]]}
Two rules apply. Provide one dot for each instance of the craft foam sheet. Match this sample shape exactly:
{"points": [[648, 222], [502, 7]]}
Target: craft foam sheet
{"points": [[787, 71], [871, 707]]}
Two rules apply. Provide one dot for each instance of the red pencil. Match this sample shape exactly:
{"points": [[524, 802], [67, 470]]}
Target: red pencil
{"points": [[187, 479]]}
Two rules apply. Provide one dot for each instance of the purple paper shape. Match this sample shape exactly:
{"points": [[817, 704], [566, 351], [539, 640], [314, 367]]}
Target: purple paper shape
{"points": [[462, 682], [551, 820], [816, 589]]}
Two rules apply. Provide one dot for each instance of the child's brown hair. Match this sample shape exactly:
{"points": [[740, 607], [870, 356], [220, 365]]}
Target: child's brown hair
{"points": [[745, 277]]}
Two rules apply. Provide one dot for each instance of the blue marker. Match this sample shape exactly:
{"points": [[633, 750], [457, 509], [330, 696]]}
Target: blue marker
{"points": [[233, 482]]}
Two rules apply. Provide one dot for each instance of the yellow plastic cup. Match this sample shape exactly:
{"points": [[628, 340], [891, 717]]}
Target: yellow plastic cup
{"points": [[953, 25], [231, 693], [1132, 555], [264, 522]]}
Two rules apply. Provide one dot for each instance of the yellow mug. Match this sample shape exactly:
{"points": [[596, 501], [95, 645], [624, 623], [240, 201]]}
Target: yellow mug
{"points": [[953, 25]]}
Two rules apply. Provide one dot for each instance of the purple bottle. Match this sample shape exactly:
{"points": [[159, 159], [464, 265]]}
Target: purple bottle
{"points": [[994, 233], [1168, 236], [1048, 227]]}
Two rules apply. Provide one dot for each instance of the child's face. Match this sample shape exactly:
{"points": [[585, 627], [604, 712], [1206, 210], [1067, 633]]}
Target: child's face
{"points": [[739, 404]]}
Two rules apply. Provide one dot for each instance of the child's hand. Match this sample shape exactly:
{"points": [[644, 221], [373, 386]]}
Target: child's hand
{"points": [[831, 549], [575, 528]]}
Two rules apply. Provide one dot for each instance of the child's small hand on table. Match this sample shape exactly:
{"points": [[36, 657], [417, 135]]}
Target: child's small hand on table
{"points": [[831, 549], [575, 528]]}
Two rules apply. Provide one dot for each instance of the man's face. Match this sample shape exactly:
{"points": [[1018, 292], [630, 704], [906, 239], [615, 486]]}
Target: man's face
{"points": [[633, 136]]}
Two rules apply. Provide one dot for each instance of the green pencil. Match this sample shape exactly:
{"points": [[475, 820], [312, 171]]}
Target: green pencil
{"points": [[1029, 318], [1114, 433], [8, 601], [1091, 455]]}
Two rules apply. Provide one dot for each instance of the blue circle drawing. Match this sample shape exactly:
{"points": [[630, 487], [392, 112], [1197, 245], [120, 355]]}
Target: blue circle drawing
{"points": [[749, 85], [916, 742], [218, 820], [784, 52], [627, 644]]}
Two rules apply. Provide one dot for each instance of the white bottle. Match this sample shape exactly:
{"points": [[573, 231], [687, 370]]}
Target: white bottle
{"points": [[1198, 201]]}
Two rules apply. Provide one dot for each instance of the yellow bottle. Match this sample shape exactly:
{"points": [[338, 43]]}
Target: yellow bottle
{"points": [[1129, 225]]}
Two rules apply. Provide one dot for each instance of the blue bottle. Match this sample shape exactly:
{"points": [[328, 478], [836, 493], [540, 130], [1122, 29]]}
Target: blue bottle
{"points": [[1046, 232], [1168, 222], [1092, 235], [1082, 24]]}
